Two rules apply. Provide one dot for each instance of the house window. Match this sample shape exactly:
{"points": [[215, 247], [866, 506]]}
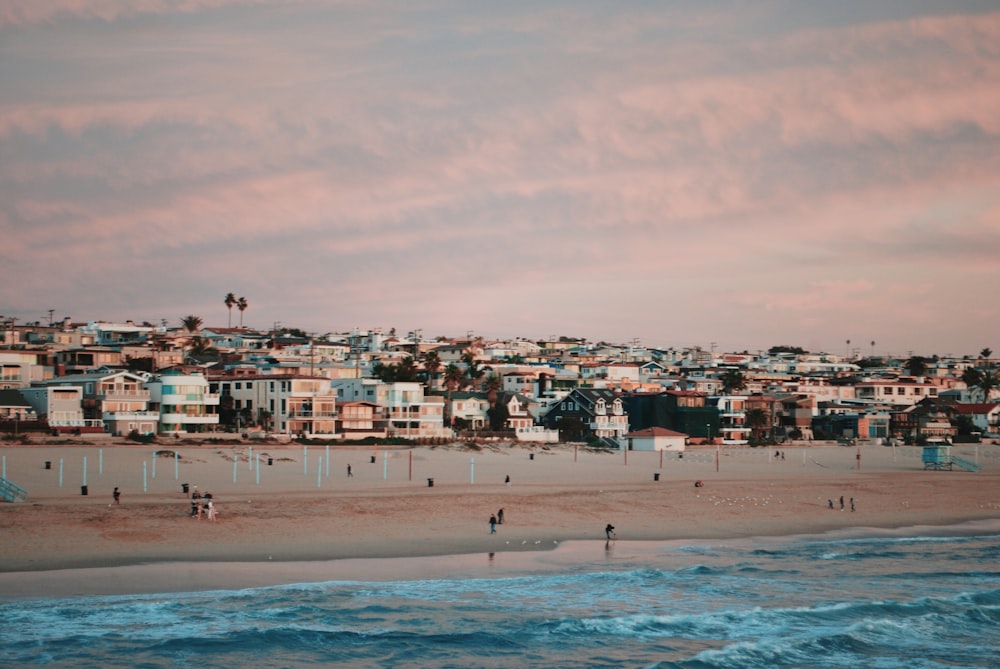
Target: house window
{"points": [[888, 391]]}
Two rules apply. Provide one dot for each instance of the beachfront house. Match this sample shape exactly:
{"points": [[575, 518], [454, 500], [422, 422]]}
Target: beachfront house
{"points": [[656, 439], [409, 412], [985, 416], [184, 402], [360, 420], [110, 401], [291, 404], [61, 406], [590, 413]]}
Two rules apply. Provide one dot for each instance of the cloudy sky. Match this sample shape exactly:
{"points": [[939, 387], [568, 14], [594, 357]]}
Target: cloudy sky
{"points": [[678, 172]]}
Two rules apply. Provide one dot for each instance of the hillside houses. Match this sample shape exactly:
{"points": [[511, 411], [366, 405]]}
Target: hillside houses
{"points": [[128, 377]]}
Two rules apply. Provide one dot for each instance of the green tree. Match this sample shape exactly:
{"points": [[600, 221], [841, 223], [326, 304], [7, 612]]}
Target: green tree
{"points": [[241, 304], [473, 371], [916, 365], [383, 372], [230, 302], [758, 422], [986, 378], [497, 415], [432, 364], [406, 370], [201, 349], [227, 410], [493, 385], [797, 350], [453, 376], [733, 381], [191, 323]]}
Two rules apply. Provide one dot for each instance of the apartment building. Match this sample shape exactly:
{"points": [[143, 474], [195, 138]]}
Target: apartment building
{"points": [[183, 402], [284, 403]]}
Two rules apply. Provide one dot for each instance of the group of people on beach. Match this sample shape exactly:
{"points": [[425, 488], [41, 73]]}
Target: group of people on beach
{"points": [[829, 503], [202, 505], [496, 519]]}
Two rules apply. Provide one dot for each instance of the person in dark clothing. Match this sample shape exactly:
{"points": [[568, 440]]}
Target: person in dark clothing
{"points": [[609, 531]]}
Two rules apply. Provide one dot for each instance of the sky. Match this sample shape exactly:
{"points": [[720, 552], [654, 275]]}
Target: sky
{"points": [[731, 175]]}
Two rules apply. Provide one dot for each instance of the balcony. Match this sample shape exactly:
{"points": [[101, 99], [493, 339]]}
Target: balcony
{"points": [[114, 394], [183, 418], [312, 414], [131, 415], [206, 399]]}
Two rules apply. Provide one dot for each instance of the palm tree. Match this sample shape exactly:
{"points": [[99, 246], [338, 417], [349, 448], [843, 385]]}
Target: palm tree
{"points": [[493, 386], [472, 370], [986, 378], [406, 370], [757, 421], [916, 365], [241, 304], [732, 381], [432, 363], [191, 323], [453, 376], [202, 348], [229, 302]]}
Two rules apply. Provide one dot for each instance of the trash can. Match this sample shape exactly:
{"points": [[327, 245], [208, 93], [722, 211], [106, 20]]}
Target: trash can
{"points": [[656, 476], [83, 490], [184, 487], [48, 464], [430, 483], [270, 461], [531, 456], [373, 459]]}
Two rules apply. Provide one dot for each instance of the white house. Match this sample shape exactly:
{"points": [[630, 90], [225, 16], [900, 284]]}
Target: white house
{"points": [[656, 439], [184, 402]]}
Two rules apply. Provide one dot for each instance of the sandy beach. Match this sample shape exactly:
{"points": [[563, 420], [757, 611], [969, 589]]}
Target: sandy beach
{"points": [[304, 508]]}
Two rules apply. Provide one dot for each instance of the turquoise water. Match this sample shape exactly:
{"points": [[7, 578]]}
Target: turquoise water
{"points": [[889, 601]]}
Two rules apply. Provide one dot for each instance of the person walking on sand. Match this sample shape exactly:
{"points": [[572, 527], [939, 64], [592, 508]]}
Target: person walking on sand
{"points": [[500, 517], [507, 481], [211, 510], [841, 502], [852, 504], [349, 472], [117, 495], [609, 531], [493, 524]]}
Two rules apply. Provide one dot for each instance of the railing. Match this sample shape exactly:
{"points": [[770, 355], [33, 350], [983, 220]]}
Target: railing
{"points": [[131, 415], [76, 422], [115, 393], [12, 492], [203, 419]]}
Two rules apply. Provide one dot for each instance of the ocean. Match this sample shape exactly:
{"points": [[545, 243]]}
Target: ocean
{"points": [[909, 599]]}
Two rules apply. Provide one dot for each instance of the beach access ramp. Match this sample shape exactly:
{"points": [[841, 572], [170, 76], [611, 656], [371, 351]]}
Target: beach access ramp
{"points": [[11, 492], [967, 465]]}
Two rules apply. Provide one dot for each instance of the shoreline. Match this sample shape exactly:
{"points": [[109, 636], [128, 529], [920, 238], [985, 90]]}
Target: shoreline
{"points": [[302, 510], [167, 577]]}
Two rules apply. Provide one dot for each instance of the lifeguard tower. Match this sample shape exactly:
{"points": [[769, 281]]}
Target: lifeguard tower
{"points": [[938, 456]]}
